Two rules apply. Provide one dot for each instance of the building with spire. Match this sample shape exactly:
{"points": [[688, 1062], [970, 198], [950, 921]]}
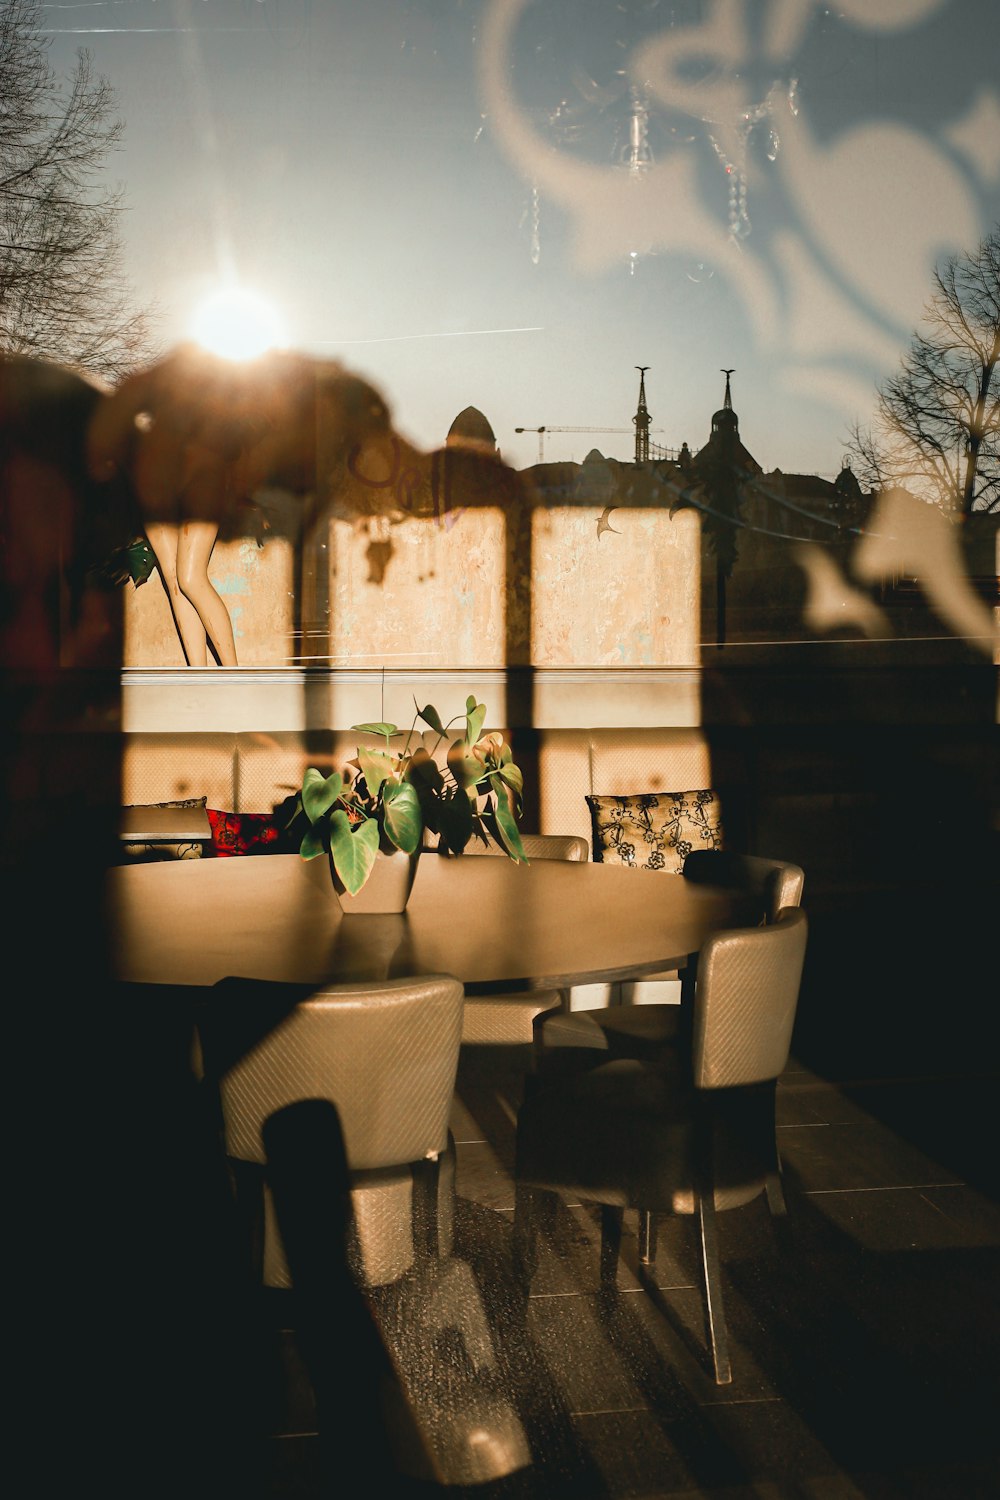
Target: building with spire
{"points": [[641, 420], [753, 521]]}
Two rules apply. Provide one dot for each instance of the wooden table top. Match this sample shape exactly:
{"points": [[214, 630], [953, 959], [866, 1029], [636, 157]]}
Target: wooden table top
{"points": [[487, 921]]}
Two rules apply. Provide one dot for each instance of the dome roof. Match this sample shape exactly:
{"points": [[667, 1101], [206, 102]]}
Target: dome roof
{"points": [[471, 429], [846, 483]]}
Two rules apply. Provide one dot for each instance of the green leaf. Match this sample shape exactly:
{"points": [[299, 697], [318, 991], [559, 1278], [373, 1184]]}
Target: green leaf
{"points": [[431, 716], [353, 850], [503, 791], [466, 769], [475, 718], [454, 822], [404, 820], [513, 778], [425, 773], [375, 766], [383, 729], [313, 843], [320, 792], [500, 821]]}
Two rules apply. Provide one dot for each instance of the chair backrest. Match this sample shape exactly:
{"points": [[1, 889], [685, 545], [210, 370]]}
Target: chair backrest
{"points": [[745, 1002], [776, 882], [540, 846], [385, 1054]]}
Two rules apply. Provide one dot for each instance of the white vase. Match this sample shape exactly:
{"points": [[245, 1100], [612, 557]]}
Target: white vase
{"points": [[387, 889]]}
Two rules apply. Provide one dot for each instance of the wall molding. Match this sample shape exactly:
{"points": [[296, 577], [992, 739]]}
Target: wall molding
{"points": [[176, 699]]}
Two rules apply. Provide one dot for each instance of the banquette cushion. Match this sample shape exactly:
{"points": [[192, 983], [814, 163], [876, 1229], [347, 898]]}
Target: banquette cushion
{"points": [[572, 763], [162, 766], [654, 830]]}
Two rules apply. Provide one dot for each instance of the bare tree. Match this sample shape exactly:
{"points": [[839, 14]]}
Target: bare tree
{"points": [[936, 430], [63, 293]]}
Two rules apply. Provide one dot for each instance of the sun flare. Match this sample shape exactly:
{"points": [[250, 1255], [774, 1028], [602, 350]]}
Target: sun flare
{"points": [[237, 323]]}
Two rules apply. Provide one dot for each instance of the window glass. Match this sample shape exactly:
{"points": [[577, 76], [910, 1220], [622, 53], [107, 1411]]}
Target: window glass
{"points": [[679, 246]]}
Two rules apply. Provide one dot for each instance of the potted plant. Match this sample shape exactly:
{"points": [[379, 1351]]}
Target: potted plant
{"points": [[388, 796]]}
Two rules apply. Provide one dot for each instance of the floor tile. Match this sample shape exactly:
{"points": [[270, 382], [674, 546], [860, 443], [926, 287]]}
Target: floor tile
{"points": [[861, 1155], [816, 1103], [917, 1219], [863, 1325], [482, 1176]]}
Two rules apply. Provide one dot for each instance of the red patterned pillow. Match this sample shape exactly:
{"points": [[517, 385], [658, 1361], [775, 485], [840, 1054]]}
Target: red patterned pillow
{"points": [[243, 833]]}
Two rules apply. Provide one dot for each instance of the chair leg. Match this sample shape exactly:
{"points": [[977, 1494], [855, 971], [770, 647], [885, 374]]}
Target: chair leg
{"points": [[611, 1244], [775, 1194], [773, 1186], [426, 1242], [534, 1209], [647, 1237], [712, 1270], [715, 1317]]}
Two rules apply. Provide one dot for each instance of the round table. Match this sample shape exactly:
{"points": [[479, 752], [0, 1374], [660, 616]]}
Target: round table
{"points": [[487, 921]]}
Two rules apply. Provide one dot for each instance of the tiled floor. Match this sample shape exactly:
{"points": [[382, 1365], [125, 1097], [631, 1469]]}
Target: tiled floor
{"points": [[865, 1326]]}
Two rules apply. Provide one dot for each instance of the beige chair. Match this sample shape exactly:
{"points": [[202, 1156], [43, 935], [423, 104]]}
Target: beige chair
{"points": [[642, 1030], [662, 1031], [385, 1056], [774, 882], [630, 1134], [508, 1018], [540, 846]]}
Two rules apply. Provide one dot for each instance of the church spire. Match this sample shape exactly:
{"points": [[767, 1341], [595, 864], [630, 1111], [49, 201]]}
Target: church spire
{"points": [[725, 419], [641, 420]]}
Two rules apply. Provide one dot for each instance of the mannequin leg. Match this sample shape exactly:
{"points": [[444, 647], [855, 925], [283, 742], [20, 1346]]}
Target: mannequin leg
{"points": [[194, 641], [194, 549]]}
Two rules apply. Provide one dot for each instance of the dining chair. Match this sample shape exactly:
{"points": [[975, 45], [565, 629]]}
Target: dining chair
{"points": [[642, 1030], [508, 1018], [385, 1055], [774, 882], [540, 846], [662, 1030], [630, 1134]]}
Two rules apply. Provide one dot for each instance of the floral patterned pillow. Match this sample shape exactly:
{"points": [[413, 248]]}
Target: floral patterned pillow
{"points": [[654, 830], [244, 833], [150, 853]]}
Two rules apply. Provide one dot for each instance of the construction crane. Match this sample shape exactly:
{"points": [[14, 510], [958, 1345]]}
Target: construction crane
{"points": [[543, 430]]}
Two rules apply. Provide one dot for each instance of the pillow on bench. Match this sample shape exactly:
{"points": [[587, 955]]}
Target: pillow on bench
{"points": [[277, 832], [245, 833], [654, 830], [147, 853]]}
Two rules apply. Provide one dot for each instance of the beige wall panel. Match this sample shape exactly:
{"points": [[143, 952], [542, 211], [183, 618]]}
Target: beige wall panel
{"points": [[257, 586], [161, 767], [150, 637], [436, 592], [627, 597], [440, 601]]}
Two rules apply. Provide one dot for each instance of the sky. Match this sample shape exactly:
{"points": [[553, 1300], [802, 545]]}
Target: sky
{"points": [[512, 204]]}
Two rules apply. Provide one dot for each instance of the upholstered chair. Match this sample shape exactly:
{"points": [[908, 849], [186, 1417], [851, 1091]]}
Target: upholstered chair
{"points": [[642, 1030], [539, 846], [507, 1018], [385, 1055], [693, 1139]]}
